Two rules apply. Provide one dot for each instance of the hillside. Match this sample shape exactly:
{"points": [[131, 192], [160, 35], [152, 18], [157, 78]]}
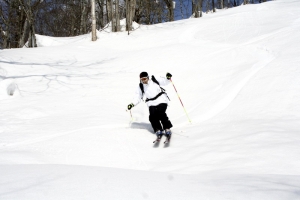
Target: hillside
{"points": [[65, 132]]}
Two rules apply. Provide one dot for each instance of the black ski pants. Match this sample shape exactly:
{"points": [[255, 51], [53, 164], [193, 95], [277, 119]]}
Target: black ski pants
{"points": [[158, 117]]}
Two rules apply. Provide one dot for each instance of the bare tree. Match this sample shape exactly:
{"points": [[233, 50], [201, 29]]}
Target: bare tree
{"points": [[170, 7], [221, 4], [197, 8], [93, 11], [117, 16], [29, 25], [20, 20], [84, 14], [150, 12], [17, 22], [11, 23], [213, 5], [101, 17], [130, 11], [113, 14], [225, 3]]}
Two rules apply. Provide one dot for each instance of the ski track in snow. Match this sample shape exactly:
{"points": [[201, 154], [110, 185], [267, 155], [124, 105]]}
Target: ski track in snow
{"points": [[189, 36], [233, 93], [53, 136]]}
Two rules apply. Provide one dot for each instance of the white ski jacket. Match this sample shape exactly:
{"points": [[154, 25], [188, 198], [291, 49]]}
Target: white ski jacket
{"points": [[150, 91]]}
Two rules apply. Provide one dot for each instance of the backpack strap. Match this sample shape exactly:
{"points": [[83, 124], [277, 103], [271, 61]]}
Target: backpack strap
{"points": [[163, 91], [142, 89], [154, 80], [159, 94]]}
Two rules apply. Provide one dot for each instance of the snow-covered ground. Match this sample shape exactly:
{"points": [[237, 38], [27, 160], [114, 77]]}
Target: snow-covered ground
{"points": [[65, 132]]}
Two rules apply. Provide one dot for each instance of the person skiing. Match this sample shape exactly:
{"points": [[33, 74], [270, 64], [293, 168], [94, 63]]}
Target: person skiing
{"points": [[157, 101]]}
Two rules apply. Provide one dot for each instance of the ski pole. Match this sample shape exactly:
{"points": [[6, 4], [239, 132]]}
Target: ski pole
{"points": [[181, 101], [130, 114]]}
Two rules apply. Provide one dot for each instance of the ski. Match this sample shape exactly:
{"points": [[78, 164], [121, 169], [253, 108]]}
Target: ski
{"points": [[157, 139], [168, 139]]}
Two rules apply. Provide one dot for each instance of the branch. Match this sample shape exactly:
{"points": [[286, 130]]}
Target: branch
{"points": [[26, 12]]}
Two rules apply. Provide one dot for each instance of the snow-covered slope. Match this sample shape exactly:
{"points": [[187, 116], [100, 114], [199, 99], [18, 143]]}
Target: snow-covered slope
{"points": [[65, 132]]}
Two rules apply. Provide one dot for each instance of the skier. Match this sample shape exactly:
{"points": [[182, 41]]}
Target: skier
{"points": [[157, 101]]}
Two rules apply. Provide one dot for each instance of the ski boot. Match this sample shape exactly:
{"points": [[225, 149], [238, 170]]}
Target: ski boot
{"points": [[159, 135], [168, 134]]}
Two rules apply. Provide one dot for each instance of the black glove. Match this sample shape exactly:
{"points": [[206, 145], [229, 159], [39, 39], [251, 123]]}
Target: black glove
{"points": [[130, 106], [169, 76]]}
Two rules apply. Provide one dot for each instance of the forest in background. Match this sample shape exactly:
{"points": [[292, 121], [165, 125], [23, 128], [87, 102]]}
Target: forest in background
{"points": [[20, 20]]}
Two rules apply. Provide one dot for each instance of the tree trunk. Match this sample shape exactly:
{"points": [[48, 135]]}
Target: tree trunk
{"points": [[94, 36], [113, 19], [130, 11], [197, 8], [112, 15], [101, 13], [24, 34], [194, 8], [148, 12], [207, 6], [169, 4], [225, 3], [234, 3], [160, 15], [83, 18], [72, 31], [4, 35], [221, 4], [30, 20], [128, 21], [117, 16], [32, 38], [108, 10], [200, 7]]}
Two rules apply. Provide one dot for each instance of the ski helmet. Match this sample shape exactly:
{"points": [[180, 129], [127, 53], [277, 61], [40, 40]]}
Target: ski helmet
{"points": [[143, 74]]}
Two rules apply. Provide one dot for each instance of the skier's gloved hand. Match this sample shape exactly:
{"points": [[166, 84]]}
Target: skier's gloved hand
{"points": [[130, 106], [169, 76]]}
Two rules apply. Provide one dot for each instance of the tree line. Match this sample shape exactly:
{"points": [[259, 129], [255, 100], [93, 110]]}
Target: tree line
{"points": [[20, 20]]}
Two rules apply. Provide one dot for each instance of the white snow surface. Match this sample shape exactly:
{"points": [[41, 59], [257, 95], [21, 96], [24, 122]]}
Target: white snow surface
{"points": [[65, 132]]}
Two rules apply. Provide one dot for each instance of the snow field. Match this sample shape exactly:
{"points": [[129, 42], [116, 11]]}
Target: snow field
{"points": [[65, 133]]}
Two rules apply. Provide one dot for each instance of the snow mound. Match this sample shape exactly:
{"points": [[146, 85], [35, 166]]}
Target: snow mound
{"points": [[107, 28]]}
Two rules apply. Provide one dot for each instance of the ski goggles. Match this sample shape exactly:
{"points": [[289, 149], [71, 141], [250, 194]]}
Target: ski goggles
{"points": [[144, 78]]}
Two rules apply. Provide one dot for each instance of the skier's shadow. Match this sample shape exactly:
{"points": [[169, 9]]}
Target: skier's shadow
{"points": [[156, 145], [142, 125], [148, 127]]}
